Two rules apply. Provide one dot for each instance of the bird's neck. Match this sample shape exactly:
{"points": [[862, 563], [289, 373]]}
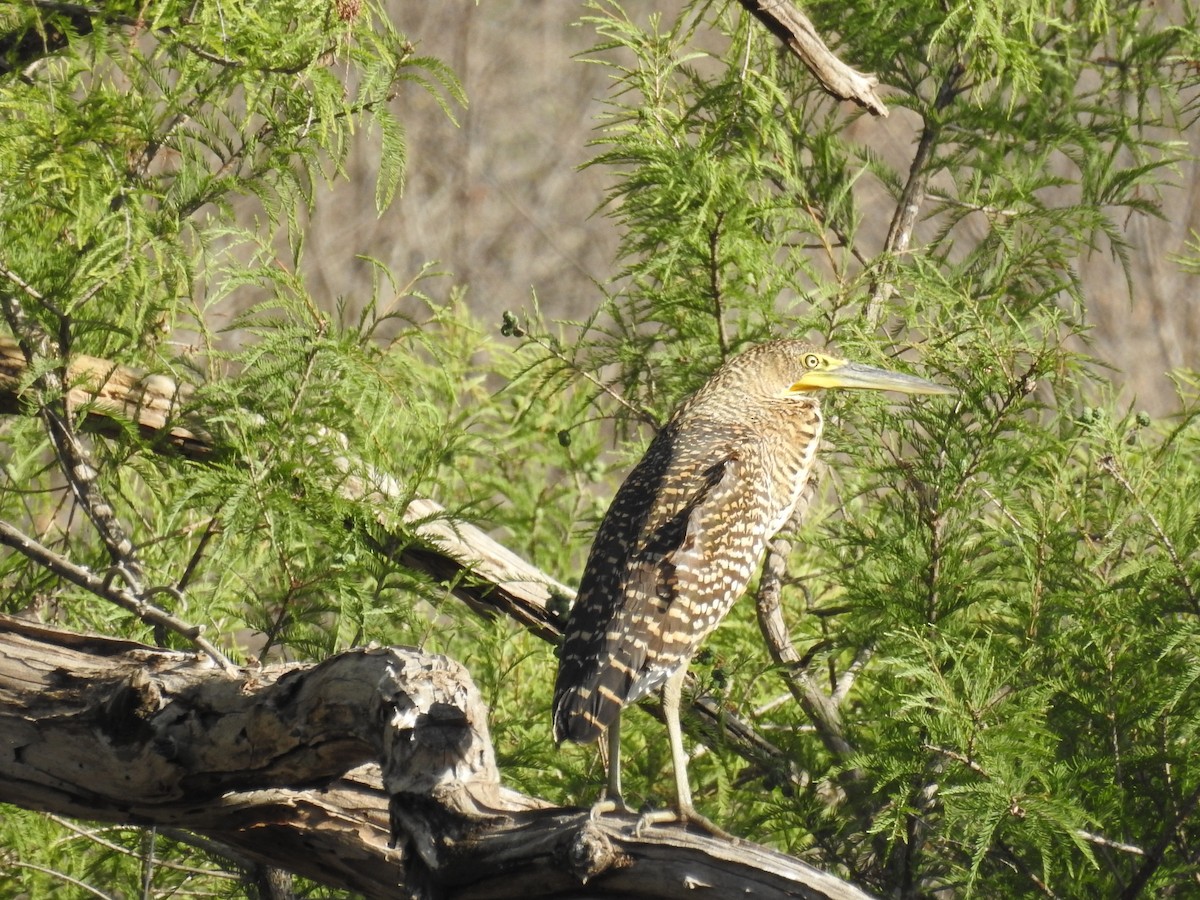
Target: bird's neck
{"points": [[793, 419]]}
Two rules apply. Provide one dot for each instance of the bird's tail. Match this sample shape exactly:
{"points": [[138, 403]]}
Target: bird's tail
{"points": [[585, 705]]}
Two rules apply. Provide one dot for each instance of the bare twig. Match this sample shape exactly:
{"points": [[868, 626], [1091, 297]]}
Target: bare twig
{"points": [[1101, 841], [93, 835], [816, 704], [57, 398], [957, 757], [82, 476], [1014, 860], [714, 284], [103, 587], [909, 206], [642, 414], [63, 876], [846, 680], [73, 457], [1019, 387], [999, 504], [54, 408]]}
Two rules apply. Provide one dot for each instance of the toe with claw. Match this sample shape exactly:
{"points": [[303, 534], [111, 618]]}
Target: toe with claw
{"points": [[684, 817]]}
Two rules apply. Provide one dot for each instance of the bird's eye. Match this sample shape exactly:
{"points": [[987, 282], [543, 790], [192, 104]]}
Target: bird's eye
{"points": [[812, 361]]}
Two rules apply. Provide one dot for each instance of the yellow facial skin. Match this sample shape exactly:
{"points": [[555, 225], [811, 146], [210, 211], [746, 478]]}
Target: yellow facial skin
{"points": [[832, 372]]}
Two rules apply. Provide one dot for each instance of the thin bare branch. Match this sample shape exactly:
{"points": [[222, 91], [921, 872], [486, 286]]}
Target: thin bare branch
{"points": [[1101, 841], [911, 198], [845, 681], [52, 390], [714, 284], [93, 835], [957, 757], [643, 415], [103, 587], [816, 704], [61, 876]]}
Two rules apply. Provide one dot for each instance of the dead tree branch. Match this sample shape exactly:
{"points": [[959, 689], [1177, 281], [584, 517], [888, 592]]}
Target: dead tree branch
{"points": [[278, 764], [797, 33], [818, 705]]}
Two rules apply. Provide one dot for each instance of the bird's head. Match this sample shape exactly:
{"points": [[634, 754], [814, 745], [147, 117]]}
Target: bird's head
{"points": [[796, 369], [815, 369]]}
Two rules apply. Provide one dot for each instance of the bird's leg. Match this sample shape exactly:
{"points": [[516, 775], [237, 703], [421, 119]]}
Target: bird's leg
{"points": [[614, 762], [684, 811], [612, 801], [672, 695]]}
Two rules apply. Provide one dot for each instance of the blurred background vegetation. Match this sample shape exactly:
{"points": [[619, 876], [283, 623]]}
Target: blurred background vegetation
{"points": [[318, 214]]}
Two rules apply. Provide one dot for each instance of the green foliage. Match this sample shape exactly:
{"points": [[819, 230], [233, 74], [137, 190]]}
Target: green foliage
{"points": [[999, 591], [154, 171], [1003, 587]]}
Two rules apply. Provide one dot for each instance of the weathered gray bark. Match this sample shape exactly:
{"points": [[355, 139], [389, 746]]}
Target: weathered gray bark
{"points": [[371, 771], [798, 34]]}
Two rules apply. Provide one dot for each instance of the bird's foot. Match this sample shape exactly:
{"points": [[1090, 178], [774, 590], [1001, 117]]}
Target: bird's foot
{"points": [[684, 817], [614, 804]]}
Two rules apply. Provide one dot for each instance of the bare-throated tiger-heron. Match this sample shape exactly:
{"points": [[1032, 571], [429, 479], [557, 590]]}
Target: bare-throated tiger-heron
{"points": [[685, 533]]}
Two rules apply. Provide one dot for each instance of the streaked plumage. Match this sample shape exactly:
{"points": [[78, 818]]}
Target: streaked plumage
{"points": [[688, 528]]}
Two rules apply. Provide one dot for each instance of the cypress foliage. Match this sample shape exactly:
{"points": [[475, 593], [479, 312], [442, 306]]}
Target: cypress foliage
{"points": [[1001, 592]]}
